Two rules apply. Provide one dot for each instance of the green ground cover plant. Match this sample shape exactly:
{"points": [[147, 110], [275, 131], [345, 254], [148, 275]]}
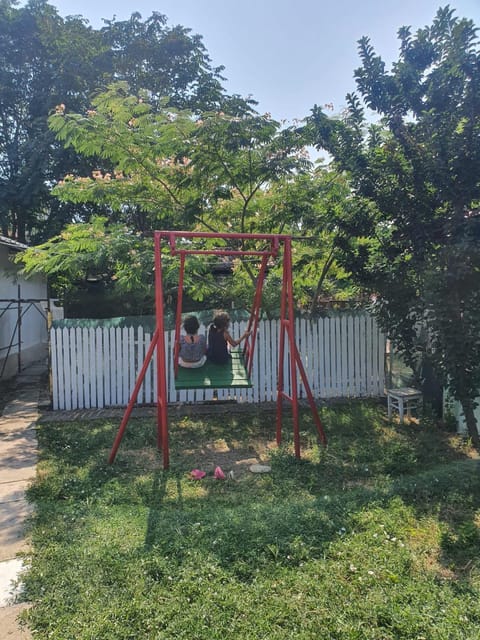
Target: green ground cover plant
{"points": [[376, 537]]}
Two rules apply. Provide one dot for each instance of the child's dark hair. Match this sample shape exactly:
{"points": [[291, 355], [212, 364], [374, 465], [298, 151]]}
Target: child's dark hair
{"points": [[191, 325], [221, 320]]}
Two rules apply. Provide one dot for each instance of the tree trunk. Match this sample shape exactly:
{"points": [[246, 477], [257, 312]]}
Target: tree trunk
{"points": [[471, 421], [326, 267], [21, 229]]}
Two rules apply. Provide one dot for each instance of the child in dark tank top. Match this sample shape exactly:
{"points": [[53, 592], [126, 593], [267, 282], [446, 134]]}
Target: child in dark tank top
{"points": [[219, 339]]}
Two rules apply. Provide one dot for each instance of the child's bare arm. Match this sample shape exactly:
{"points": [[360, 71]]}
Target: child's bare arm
{"points": [[235, 343]]}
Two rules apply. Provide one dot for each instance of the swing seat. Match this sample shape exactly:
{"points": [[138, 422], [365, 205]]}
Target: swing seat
{"points": [[215, 376]]}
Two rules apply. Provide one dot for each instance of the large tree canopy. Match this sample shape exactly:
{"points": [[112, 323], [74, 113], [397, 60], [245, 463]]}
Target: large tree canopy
{"points": [[413, 240], [166, 60], [154, 166], [45, 61]]}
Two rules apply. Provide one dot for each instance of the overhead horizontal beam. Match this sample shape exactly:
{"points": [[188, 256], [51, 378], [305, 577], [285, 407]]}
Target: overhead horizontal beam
{"points": [[225, 236]]}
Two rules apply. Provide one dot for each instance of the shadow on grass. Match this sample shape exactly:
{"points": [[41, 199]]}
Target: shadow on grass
{"points": [[156, 504]]}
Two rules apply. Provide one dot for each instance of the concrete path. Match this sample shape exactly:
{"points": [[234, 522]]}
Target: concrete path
{"points": [[18, 459]]}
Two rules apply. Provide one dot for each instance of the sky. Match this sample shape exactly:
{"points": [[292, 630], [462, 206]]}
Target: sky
{"points": [[287, 54]]}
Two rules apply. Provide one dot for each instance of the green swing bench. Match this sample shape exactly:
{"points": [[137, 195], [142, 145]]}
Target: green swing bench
{"points": [[215, 376]]}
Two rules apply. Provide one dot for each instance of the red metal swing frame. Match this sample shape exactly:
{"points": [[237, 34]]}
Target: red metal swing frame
{"points": [[273, 243]]}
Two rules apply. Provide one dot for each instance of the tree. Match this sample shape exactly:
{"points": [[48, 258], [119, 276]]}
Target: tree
{"points": [[42, 58], [166, 60], [136, 182], [45, 61], [236, 159], [139, 158], [154, 166], [413, 240]]}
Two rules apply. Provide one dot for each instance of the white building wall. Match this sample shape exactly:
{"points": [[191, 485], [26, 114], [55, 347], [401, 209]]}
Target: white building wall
{"points": [[34, 334], [455, 408]]}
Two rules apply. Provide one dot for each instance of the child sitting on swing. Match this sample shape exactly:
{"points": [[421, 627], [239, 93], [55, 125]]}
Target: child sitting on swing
{"points": [[192, 346], [219, 339]]}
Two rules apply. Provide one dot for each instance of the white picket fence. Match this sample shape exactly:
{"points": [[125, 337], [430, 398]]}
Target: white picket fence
{"points": [[343, 356]]}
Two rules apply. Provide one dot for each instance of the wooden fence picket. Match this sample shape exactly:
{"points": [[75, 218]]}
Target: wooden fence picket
{"points": [[54, 369]]}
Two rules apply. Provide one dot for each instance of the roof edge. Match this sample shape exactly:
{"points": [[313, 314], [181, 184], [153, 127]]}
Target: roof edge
{"points": [[13, 244]]}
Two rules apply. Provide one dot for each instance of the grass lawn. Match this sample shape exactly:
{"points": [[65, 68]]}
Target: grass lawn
{"points": [[375, 537]]}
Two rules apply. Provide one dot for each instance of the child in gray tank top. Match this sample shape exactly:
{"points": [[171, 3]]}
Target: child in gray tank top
{"points": [[192, 346]]}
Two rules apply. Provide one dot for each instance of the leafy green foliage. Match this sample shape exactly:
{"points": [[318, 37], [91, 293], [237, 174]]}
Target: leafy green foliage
{"points": [[157, 167], [94, 252], [144, 150], [412, 238], [46, 61], [164, 147], [376, 537], [166, 60], [236, 158], [42, 57]]}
